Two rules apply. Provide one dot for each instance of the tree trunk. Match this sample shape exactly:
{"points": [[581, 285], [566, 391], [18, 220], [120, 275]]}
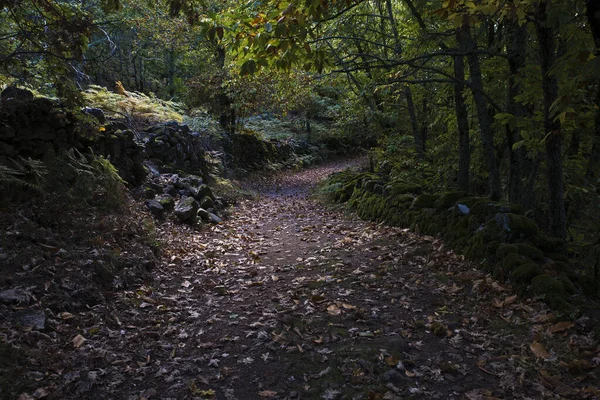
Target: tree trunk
{"points": [[464, 150], [485, 123], [593, 17], [552, 128], [515, 51], [424, 128], [413, 121]]}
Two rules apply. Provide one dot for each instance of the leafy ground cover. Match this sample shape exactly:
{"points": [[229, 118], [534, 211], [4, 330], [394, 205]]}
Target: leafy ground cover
{"points": [[292, 299]]}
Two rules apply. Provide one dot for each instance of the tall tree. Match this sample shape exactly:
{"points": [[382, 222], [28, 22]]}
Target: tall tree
{"points": [[552, 126]]}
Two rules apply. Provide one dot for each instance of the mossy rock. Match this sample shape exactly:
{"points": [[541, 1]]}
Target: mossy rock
{"points": [[547, 244], [424, 201], [513, 260], [516, 226], [526, 272], [530, 251], [166, 201], [568, 286], [558, 257], [488, 208], [547, 286], [449, 199], [506, 249], [471, 201], [401, 200], [561, 266], [399, 187], [498, 273], [207, 202]]}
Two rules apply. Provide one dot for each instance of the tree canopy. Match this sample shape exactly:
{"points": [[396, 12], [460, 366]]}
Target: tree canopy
{"points": [[492, 97]]}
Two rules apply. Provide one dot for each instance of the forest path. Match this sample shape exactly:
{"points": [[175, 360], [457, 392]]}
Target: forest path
{"points": [[289, 299]]}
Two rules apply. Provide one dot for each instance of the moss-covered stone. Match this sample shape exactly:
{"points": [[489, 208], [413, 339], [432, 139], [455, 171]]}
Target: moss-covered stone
{"points": [[498, 273], [546, 285], [401, 200], [513, 260], [424, 201], [166, 201], [568, 286], [448, 199], [488, 208], [547, 244], [471, 201], [506, 249], [561, 266], [516, 226], [558, 257], [530, 251], [399, 187], [526, 272]]}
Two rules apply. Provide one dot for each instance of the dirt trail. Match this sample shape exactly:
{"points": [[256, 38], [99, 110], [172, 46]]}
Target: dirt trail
{"points": [[291, 300]]}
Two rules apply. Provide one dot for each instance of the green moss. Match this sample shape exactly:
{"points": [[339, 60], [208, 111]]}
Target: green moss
{"points": [[526, 272], [448, 199], [568, 286], [398, 187], [544, 285], [424, 201], [558, 257], [498, 273], [513, 260], [547, 243], [530, 251], [471, 201], [506, 249], [438, 329]]}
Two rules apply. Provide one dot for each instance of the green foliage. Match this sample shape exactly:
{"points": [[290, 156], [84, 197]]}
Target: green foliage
{"points": [[136, 107], [24, 174], [89, 179]]}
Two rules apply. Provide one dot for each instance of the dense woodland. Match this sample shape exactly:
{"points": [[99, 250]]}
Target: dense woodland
{"points": [[495, 97]]}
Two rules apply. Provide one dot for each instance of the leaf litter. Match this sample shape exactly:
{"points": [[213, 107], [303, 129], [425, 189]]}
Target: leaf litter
{"points": [[293, 299]]}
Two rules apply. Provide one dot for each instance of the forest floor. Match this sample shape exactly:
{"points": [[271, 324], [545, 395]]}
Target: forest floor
{"points": [[293, 299]]}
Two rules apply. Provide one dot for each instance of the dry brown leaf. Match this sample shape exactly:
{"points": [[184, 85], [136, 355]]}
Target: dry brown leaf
{"points": [[561, 326], [267, 393], [510, 299], [78, 341], [538, 349], [497, 303], [333, 310], [348, 306]]}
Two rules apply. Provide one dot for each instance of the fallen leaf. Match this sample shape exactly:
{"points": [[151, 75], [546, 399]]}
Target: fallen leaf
{"points": [[267, 393], [539, 350], [78, 341], [334, 310], [66, 315], [561, 326], [509, 300], [497, 303]]}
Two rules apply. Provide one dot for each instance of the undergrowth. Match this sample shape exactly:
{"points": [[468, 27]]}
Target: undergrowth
{"points": [[134, 106]]}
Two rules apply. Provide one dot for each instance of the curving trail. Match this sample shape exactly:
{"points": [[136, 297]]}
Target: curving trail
{"points": [[289, 299]]}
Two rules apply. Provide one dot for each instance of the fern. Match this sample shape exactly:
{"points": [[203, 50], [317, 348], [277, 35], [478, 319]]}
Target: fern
{"points": [[26, 174]]}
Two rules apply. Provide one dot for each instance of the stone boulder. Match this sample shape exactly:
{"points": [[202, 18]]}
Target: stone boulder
{"points": [[186, 210], [155, 208]]}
